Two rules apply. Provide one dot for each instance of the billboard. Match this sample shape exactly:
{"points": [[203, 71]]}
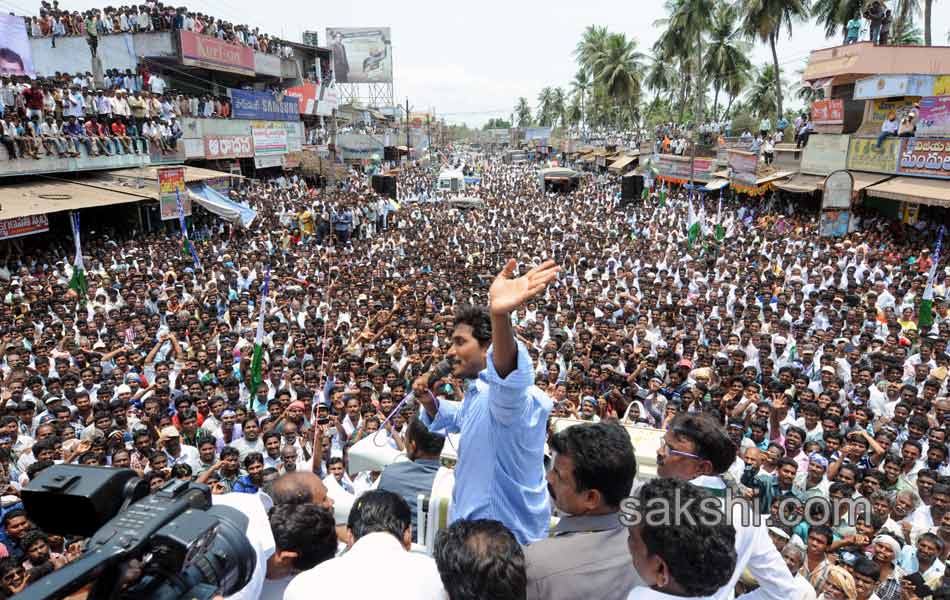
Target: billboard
{"points": [[211, 53], [361, 54], [171, 188], [16, 58], [268, 106], [307, 96], [925, 158]]}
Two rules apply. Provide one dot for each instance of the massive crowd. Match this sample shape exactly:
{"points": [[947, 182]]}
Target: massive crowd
{"points": [[807, 352], [54, 21]]}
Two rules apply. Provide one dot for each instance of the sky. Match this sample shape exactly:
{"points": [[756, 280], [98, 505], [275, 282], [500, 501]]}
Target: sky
{"points": [[471, 65]]}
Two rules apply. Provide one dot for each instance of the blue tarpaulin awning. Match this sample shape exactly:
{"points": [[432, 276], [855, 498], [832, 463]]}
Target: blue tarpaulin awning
{"points": [[215, 202]]}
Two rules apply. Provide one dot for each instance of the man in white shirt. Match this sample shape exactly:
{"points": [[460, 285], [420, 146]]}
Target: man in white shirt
{"points": [[157, 84], [380, 536], [178, 453], [679, 550], [794, 557], [696, 449]]}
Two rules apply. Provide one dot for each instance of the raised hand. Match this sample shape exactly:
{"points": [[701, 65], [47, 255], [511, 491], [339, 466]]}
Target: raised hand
{"points": [[507, 293]]}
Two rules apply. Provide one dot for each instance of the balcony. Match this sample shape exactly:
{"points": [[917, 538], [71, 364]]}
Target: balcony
{"points": [[47, 164]]}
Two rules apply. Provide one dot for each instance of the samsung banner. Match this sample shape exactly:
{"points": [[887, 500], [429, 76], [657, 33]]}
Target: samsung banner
{"points": [[263, 106]]}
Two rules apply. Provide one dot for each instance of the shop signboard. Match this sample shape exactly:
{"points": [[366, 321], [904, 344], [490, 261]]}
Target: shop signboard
{"points": [[21, 226], [211, 53], [228, 146], [269, 141], [827, 112], [925, 158], [253, 104], [864, 155]]}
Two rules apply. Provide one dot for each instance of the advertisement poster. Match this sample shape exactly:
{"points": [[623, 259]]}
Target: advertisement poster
{"points": [[933, 118], [16, 57], [825, 154], [839, 187], [307, 95], [269, 141], [267, 106], [834, 223], [361, 55], [211, 53], [21, 226], [942, 85], [864, 155], [743, 166], [171, 187], [827, 112], [925, 158], [228, 146]]}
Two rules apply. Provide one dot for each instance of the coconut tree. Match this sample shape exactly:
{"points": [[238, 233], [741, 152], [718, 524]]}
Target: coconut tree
{"points": [[544, 106], [832, 14], [618, 70], [523, 112], [928, 17], [904, 13], [693, 18], [764, 20], [580, 87], [590, 46], [726, 52], [558, 106], [760, 99]]}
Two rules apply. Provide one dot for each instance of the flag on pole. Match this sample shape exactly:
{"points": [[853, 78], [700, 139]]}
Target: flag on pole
{"points": [[925, 315], [257, 376], [720, 231], [662, 194], [78, 281], [186, 246], [692, 225]]}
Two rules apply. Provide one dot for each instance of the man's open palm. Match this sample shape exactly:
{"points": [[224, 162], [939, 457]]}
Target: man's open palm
{"points": [[507, 293]]}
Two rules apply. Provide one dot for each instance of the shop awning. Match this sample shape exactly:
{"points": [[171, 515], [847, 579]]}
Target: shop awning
{"points": [[218, 204], [192, 174], [723, 173], [863, 180], [50, 196], [935, 192], [801, 184], [717, 184], [622, 162]]}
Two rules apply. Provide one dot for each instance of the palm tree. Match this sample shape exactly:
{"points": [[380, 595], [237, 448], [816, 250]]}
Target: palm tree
{"points": [[523, 112], [618, 70], [580, 87], [904, 13], [833, 14], [672, 68], [764, 20], [544, 106], [725, 54], [910, 35], [590, 46], [693, 19], [761, 100], [558, 105], [574, 114], [928, 16]]}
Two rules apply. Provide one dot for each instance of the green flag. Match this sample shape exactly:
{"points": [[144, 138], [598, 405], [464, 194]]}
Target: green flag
{"points": [[925, 313], [78, 281], [693, 228]]}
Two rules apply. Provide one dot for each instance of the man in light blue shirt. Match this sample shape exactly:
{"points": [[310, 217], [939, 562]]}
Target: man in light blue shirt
{"points": [[503, 417]]}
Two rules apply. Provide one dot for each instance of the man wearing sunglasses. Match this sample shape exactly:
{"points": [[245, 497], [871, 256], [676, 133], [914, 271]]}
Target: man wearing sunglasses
{"points": [[696, 449]]}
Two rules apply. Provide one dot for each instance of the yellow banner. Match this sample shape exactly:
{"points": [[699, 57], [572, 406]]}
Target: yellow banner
{"points": [[901, 106], [942, 85]]}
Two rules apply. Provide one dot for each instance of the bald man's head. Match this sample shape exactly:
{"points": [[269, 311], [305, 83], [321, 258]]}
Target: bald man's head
{"points": [[301, 487]]}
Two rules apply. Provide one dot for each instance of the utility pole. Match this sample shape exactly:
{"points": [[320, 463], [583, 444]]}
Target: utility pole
{"points": [[332, 177], [408, 141]]}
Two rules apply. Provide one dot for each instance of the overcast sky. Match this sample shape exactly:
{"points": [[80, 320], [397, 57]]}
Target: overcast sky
{"points": [[472, 64]]}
